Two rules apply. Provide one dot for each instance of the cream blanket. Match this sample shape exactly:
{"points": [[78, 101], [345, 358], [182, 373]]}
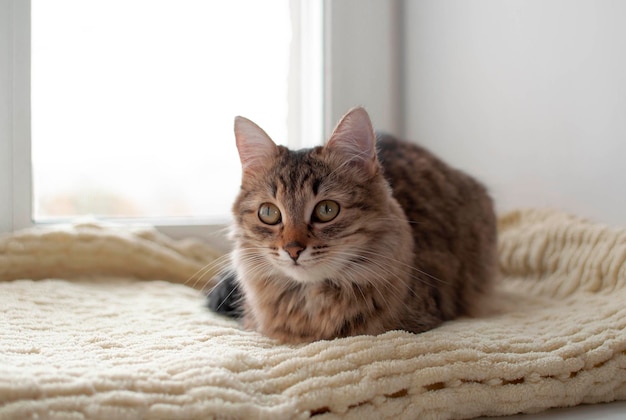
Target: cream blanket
{"points": [[82, 337]]}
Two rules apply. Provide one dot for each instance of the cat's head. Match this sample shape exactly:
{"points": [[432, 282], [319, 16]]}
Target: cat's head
{"points": [[307, 214]]}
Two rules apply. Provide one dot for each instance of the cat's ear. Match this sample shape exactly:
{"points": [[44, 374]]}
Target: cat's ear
{"points": [[256, 148], [355, 139]]}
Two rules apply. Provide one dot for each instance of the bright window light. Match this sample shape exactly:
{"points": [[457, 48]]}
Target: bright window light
{"points": [[133, 102]]}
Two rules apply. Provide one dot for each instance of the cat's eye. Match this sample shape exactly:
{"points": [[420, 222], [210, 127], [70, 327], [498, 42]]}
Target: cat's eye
{"points": [[325, 211], [269, 214]]}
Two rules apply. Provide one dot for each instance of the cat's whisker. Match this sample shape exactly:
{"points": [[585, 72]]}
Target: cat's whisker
{"points": [[411, 269], [225, 299], [366, 272], [216, 267], [247, 255], [251, 256], [403, 264], [216, 285], [377, 274], [371, 272]]}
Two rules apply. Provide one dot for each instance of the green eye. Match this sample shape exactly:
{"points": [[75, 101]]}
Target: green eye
{"points": [[269, 214], [325, 211]]}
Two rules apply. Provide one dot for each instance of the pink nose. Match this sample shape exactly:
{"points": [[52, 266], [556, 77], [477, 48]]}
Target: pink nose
{"points": [[294, 249]]}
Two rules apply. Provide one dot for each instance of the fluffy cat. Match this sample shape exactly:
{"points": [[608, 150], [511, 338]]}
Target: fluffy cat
{"points": [[359, 236]]}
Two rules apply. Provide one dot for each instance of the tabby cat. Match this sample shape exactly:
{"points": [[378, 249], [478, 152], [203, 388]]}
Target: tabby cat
{"points": [[359, 236]]}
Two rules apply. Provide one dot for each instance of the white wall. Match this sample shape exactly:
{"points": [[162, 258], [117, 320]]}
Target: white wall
{"points": [[528, 95], [362, 61]]}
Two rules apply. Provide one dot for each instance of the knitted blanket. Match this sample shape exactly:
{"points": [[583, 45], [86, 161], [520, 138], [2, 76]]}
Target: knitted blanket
{"points": [[82, 336]]}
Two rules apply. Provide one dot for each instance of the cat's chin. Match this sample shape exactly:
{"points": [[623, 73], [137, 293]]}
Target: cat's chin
{"points": [[302, 274]]}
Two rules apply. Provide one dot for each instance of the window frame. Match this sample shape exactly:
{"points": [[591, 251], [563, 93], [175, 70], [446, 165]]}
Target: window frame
{"points": [[15, 168], [318, 101]]}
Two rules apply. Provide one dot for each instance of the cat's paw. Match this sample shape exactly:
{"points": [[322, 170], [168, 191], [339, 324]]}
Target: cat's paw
{"points": [[225, 298]]}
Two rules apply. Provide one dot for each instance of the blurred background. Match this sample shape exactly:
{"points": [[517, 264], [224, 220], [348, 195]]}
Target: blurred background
{"points": [[132, 102]]}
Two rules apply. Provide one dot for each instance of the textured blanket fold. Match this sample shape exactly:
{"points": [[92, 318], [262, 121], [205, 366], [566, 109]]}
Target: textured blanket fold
{"points": [[84, 335]]}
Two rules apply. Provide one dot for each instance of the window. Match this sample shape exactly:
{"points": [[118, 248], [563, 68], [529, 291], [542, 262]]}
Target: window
{"points": [[359, 38], [132, 103]]}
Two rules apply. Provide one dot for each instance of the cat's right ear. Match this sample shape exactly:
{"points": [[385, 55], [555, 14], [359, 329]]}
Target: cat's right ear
{"points": [[256, 148], [355, 140]]}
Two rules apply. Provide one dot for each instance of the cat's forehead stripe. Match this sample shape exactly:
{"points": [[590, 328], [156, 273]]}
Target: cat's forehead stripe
{"points": [[315, 185], [299, 170]]}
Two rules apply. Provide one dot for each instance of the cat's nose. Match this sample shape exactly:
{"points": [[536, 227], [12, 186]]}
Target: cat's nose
{"points": [[294, 249]]}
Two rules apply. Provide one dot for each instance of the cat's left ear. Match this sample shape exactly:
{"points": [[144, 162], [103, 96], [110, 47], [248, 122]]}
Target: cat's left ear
{"points": [[256, 148], [355, 139]]}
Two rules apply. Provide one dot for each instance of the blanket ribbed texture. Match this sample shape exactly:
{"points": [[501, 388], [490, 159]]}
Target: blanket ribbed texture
{"points": [[83, 335]]}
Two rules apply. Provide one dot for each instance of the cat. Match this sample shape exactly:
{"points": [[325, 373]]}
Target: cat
{"points": [[359, 236]]}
